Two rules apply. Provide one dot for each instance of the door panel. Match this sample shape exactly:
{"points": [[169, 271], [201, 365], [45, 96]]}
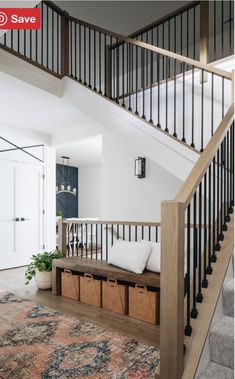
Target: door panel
{"points": [[21, 198]]}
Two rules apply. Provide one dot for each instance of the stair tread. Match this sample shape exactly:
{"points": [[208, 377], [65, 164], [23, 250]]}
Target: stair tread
{"points": [[221, 342], [215, 371]]}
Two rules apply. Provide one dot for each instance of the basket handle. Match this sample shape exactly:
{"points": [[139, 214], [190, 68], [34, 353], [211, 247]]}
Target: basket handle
{"points": [[141, 288], [112, 282], [66, 271]]}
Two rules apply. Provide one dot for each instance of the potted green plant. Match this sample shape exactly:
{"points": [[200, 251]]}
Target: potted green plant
{"points": [[41, 269]]}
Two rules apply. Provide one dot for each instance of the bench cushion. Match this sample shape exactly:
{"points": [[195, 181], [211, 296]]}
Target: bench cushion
{"points": [[104, 269]]}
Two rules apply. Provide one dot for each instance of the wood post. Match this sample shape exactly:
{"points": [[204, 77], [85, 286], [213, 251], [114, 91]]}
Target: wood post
{"points": [[108, 72], [62, 237], [172, 290], [64, 45]]}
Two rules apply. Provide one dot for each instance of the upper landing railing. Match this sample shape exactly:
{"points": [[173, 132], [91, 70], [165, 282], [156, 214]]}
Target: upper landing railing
{"points": [[184, 98]]}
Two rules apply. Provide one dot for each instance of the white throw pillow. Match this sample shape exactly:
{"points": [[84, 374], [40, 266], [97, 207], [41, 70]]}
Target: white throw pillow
{"points": [[131, 256], [154, 261]]}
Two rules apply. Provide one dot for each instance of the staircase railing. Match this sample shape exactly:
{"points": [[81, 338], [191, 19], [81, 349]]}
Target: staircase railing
{"points": [[180, 91], [206, 197], [201, 30]]}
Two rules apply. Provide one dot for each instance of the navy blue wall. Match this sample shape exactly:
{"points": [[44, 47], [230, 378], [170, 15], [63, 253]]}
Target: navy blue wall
{"points": [[65, 202]]}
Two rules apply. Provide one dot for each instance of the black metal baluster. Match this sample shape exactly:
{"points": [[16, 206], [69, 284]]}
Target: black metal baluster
{"points": [[142, 232], [223, 97], [163, 40], [220, 233], [166, 128], [107, 242], [175, 133], [213, 256], [232, 149], [68, 240], [52, 42], [95, 89], [130, 76], [136, 79], [71, 48], [135, 233], [112, 234], [80, 53], [205, 281], [149, 233], [188, 327], [58, 42], [30, 44], [86, 240], [222, 27], [209, 268], [18, 40], [75, 51], [199, 297], [228, 178], [183, 115], [230, 26], [101, 240], [100, 78], [47, 15], [25, 43], [194, 34], [84, 51], [117, 231], [216, 245], [156, 234], [215, 40], [212, 104], [146, 63], [158, 91], [89, 65], [91, 245], [129, 233], [96, 241], [202, 114], [225, 228], [194, 311], [181, 34], [42, 29], [151, 86], [123, 232], [187, 34], [143, 81], [82, 245], [193, 144], [123, 77]]}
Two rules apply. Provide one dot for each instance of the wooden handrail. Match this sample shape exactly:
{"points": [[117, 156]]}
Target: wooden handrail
{"points": [[103, 222], [192, 182], [155, 49]]}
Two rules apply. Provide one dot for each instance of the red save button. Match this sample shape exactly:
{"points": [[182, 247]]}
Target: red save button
{"points": [[19, 18]]}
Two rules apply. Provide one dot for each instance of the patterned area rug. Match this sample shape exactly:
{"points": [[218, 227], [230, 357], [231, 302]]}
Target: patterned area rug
{"points": [[38, 342]]}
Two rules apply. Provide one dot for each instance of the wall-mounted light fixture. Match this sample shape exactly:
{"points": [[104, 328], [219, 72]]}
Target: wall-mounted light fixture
{"points": [[140, 167]]}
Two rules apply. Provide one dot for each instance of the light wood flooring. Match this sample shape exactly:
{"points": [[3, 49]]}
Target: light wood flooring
{"points": [[13, 281]]}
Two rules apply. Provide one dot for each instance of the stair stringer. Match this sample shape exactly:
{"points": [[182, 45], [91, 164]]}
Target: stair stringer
{"points": [[167, 152]]}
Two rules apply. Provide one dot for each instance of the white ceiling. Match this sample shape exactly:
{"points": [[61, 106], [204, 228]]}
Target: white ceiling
{"points": [[83, 152]]}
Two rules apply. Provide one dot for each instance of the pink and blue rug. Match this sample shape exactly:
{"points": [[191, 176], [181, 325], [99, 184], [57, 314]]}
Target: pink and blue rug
{"points": [[38, 342]]}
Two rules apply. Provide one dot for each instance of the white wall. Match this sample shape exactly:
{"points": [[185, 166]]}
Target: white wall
{"points": [[90, 191], [125, 197]]}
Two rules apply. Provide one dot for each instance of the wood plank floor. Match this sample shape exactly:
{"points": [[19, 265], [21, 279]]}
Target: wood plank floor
{"points": [[13, 281]]}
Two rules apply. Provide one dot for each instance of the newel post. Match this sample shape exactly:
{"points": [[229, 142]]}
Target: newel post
{"points": [[62, 236], [172, 290], [64, 45]]}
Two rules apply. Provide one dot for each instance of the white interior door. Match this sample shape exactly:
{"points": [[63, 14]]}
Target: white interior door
{"points": [[21, 213]]}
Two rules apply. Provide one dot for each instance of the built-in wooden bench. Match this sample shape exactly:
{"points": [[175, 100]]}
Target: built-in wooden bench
{"points": [[100, 269]]}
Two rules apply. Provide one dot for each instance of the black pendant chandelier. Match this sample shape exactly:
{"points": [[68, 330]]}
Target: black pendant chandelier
{"points": [[65, 186]]}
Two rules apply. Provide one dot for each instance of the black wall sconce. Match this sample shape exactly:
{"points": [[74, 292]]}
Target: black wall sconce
{"points": [[140, 167]]}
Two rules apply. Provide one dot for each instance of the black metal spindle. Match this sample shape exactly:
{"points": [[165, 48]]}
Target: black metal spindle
{"points": [[53, 40], [163, 46], [18, 40], [112, 234], [136, 233], [136, 80], [209, 268], [228, 178], [202, 113], [89, 58], [212, 104], [91, 244], [95, 89], [82, 245], [123, 77], [84, 52], [222, 27], [183, 115], [222, 97], [151, 87], [101, 241], [58, 42], [215, 31], [199, 297], [42, 34], [194, 34], [213, 256], [142, 232], [225, 228], [130, 75], [80, 52], [123, 232], [143, 81], [86, 245], [129, 233], [193, 144], [166, 127], [75, 51], [106, 242], [158, 91], [25, 44], [149, 233], [156, 234], [96, 241], [175, 133], [71, 48], [194, 311], [220, 232], [216, 209], [188, 327], [206, 226], [187, 33], [100, 60], [47, 18]]}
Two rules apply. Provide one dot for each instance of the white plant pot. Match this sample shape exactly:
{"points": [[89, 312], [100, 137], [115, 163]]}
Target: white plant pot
{"points": [[43, 279]]}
